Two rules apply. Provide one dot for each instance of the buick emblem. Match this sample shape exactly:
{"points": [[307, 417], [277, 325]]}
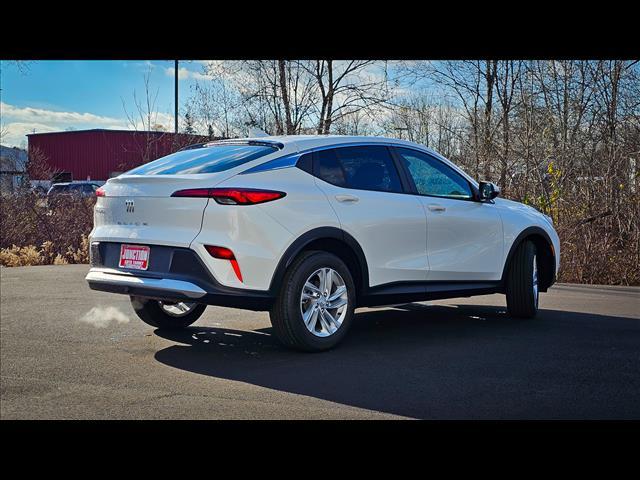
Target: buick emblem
{"points": [[130, 206]]}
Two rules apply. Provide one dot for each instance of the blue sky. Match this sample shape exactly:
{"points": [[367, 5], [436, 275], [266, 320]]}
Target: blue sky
{"points": [[58, 95]]}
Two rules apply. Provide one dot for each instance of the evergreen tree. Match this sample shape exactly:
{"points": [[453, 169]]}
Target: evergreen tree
{"points": [[188, 121]]}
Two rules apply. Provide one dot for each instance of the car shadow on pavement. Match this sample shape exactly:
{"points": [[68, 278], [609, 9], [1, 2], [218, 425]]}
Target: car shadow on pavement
{"points": [[437, 361]]}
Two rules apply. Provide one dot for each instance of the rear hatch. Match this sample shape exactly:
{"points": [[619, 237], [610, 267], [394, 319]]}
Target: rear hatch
{"points": [[141, 210], [138, 206]]}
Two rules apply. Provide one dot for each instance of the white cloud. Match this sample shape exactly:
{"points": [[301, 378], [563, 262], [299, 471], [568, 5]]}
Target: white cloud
{"points": [[14, 134], [184, 74], [163, 119], [17, 122], [39, 115]]}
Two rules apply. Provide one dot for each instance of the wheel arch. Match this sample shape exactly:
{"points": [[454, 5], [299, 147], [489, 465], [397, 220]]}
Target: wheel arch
{"points": [[330, 239], [544, 251]]}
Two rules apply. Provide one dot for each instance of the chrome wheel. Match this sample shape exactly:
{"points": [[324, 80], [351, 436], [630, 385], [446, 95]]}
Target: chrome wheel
{"points": [[177, 309], [535, 281], [324, 302]]}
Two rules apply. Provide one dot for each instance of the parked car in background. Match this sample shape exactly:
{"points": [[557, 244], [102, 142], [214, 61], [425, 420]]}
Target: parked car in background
{"points": [[309, 228], [80, 189]]}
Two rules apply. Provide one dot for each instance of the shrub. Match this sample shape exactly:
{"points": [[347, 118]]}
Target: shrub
{"points": [[600, 249], [44, 231]]}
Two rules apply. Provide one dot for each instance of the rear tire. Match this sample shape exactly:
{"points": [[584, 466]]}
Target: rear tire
{"points": [[156, 313], [328, 307], [522, 282]]}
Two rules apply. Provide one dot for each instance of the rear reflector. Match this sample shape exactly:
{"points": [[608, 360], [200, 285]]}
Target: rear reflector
{"points": [[220, 252], [232, 196], [225, 254]]}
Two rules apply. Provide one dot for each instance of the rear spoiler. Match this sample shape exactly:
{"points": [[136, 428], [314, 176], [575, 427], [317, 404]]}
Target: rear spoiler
{"points": [[239, 141], [191, 147], [261, 143]]}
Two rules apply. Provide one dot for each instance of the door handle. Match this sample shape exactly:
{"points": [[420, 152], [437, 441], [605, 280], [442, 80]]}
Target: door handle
{"points": [[436, 208], [347, 198]]}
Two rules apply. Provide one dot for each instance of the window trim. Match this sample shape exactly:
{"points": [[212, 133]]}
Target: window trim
{"points": [[404, 185], [414, 189]]}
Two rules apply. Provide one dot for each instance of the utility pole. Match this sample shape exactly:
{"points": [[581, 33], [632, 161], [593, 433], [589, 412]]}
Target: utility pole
{"points": [[175, 115]]}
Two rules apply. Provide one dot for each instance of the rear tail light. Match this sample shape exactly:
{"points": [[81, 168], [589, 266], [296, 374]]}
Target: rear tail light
{"points": [[232, 196], [100, 192], [225, 254]]}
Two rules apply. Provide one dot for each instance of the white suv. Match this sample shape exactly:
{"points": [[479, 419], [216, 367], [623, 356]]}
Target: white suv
{"points": [[309, 228]]}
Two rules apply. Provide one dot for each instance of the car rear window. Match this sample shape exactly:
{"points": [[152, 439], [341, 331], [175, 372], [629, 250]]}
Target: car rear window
{"points": [[203, 160]]}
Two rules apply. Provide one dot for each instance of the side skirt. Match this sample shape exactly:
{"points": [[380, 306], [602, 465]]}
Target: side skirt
{"points": [[406, 292]]}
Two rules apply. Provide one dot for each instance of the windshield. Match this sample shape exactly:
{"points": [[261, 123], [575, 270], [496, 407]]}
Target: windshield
{"points": [[203, 160]]}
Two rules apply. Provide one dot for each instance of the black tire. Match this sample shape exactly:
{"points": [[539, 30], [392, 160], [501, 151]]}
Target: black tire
{"points": [[151, 313], [286, 316], [522, 298]]}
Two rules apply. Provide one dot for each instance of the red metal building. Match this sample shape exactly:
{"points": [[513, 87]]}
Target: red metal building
{"points": [[100, 154]]}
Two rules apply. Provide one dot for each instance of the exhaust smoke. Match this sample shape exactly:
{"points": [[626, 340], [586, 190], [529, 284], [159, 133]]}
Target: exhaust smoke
{"points": [[101, 317]]}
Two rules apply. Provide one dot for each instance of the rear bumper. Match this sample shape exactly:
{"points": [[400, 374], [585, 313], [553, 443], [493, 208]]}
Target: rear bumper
{"points": [[174, 274], [123, 282]]}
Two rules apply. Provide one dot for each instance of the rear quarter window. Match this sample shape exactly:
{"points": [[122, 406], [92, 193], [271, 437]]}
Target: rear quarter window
{"points": [[362, 168], [212, 159]]}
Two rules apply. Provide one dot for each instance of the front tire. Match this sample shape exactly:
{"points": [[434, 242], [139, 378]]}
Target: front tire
{"points": [[167, 315], [522, 282], [315, 306]]}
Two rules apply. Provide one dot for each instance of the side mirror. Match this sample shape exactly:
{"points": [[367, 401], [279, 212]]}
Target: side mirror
{"points": [[488, 191]]}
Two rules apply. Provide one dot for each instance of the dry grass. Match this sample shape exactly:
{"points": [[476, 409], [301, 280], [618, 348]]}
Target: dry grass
{"points": [[30, 255], [20, 256]]}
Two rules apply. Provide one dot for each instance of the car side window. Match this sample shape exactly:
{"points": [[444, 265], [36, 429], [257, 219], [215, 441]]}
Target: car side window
{"points": [[329, 168], [361, 168], [433, 177]]}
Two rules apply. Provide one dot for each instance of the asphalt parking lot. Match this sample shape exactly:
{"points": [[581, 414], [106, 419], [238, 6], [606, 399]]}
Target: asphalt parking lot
{"points": [[453, 359]]}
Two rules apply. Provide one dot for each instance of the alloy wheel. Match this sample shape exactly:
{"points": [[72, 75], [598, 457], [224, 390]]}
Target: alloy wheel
{"points": [[324, 302]]}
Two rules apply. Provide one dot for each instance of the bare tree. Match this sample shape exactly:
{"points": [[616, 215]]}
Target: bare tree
{"points": [[347, 87], [145, 120], [507, 77], [295, 96], [215, 108], [472, 83], [562, 136]]}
